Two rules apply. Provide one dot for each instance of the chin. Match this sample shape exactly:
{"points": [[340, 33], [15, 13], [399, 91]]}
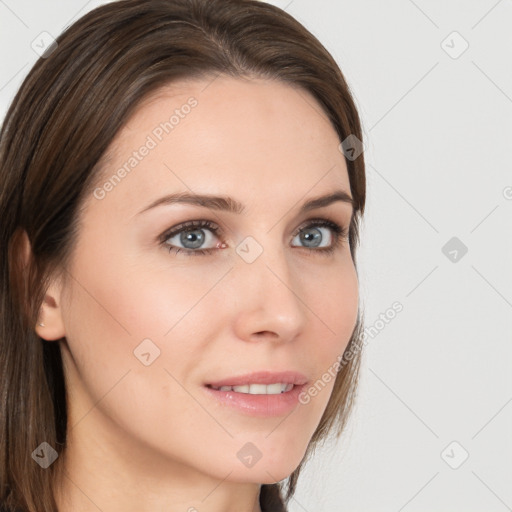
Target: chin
{"points": [[266, 465]]}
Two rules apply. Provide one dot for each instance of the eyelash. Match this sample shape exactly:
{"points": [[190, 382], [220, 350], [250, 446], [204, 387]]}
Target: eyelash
{"points": [[339, 234]]}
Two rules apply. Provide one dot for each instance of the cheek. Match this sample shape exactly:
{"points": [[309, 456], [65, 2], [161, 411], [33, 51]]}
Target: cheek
{"points": [[140, 299], [108, 315], [333, 303], [334, 307], [121, 311]]}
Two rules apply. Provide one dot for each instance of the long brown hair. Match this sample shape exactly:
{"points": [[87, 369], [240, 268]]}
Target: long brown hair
{"points": [[64, 117]]}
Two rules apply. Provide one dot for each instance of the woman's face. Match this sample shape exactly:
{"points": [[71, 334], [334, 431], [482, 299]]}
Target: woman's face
{"points": [[148, 327]]}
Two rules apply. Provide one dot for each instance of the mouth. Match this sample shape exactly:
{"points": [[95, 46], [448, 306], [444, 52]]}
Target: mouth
{"points": [[259, 394], [257, 389]]}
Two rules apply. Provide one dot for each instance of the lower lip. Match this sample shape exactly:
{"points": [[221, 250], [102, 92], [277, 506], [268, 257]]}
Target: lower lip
{"points": [[259, 405]]}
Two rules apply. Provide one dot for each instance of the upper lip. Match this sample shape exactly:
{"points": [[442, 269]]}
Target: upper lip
{"points": [[262, 377]]}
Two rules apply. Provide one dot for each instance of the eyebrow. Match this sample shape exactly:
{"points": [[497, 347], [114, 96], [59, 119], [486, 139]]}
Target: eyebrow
{"points": [[228, 204]]}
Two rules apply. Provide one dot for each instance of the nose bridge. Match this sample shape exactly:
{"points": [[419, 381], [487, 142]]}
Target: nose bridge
{"points": [[267, 284]]}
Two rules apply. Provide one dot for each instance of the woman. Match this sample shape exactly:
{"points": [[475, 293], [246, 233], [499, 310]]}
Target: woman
{"points": [[135, 375]]}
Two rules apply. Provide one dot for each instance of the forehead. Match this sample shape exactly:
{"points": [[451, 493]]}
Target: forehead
{"points": [[234, 136]]}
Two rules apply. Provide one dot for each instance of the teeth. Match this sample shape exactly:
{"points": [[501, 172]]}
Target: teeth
{"points": [[258, 389]]}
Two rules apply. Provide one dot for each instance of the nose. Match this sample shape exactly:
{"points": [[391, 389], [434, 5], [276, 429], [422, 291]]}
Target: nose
{"points": [[269, 297]]}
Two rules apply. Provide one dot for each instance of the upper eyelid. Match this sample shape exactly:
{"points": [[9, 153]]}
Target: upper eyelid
{"points": [[182, 226]]}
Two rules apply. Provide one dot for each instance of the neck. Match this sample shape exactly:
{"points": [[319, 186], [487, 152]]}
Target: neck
{"points": [[99, 474]]}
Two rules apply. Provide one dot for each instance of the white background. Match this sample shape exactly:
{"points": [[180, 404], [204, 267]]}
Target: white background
{"points": [[438, 150]]}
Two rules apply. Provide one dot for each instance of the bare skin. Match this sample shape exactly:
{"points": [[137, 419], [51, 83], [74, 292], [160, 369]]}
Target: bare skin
{"points": [[149, 438]]}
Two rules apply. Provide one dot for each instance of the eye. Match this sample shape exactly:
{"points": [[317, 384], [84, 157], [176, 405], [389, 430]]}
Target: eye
{"points": [[193, 234], [312, 235]]}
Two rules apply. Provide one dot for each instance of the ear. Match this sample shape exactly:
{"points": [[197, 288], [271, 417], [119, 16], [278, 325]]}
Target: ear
{"points": [[50, 324]]}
